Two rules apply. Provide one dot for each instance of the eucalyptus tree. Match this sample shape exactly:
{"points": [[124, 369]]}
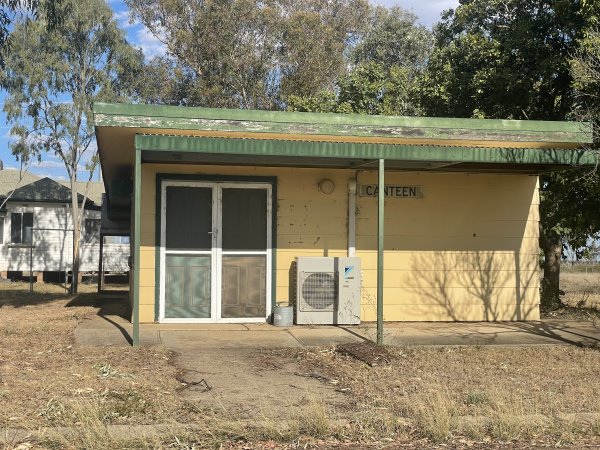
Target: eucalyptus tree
{"points": [[250, 53], [13, 10], [52, 77], [386, 61]]}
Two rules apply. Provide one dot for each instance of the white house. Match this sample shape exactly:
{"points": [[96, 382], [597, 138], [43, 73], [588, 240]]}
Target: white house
{"points": [[36, 229]]}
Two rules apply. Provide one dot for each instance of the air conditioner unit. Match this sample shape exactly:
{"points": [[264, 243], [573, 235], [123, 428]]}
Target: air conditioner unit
{"points": [[328, 290]]}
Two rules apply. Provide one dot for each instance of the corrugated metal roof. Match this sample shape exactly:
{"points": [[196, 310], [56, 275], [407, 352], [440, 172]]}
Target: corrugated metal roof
{"points": [[44, 190], [11, 179], [95, 189]]}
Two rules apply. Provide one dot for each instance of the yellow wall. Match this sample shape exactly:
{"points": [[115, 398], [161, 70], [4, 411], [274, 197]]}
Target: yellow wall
{"points": [[455, 254]]}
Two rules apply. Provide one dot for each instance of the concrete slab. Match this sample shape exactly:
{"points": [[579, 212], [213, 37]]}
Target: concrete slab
{"points": [[484, 333], [195, 326], [323, 336], [179, 340], [112, 328]]}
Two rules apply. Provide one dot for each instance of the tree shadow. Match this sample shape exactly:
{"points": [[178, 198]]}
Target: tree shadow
{"points": [[109, 307], [475, 285], [486, 286], [19, 298]]}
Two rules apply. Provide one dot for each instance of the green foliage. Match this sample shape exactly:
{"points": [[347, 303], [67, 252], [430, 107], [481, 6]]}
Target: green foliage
{"points": [[53, 76], [388, 61], [249, 53], [394, 39], [505, 58], [585, 68], [15, 9]]}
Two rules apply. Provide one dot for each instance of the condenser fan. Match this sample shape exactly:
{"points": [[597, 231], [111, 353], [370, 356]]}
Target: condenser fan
{"points": [[319, 291]]}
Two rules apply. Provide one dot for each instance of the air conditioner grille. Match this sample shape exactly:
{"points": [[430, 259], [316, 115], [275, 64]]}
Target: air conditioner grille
{"points": [[319, 291]]}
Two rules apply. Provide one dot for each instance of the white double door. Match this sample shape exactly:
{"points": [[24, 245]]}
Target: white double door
{"points": [[215, 252]]}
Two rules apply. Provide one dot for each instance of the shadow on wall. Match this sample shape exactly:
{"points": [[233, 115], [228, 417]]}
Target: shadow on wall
{"points": [[474, 285]]}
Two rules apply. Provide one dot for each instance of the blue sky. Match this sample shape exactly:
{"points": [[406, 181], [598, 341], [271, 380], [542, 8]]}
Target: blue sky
{"points": [[428, 12]]}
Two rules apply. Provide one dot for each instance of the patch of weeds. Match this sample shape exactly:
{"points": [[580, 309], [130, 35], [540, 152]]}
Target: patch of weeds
{"points": [[372, 425], [434, 416], [53, 411], [9, 439], [595, 426], [107, 371], [89, 431], [182, 442], [122, 404], [475, 398], [473, 428], [9, 329], [313, 420]]}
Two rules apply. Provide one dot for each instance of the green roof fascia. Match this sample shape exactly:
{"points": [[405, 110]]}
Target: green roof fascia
{"points": [[354, 151], [238, 120]]}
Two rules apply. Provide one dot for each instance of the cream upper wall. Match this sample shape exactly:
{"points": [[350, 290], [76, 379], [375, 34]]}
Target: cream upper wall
{"points": [[468, 250]]}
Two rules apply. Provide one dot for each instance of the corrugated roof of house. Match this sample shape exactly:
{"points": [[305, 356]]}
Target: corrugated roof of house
{"points": [[95, 189], [11, 179], [44, 190]]}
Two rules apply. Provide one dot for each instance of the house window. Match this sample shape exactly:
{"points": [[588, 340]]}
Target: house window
{"points": [[1, 229], [21, 225], [91, 230], [116, 240]]}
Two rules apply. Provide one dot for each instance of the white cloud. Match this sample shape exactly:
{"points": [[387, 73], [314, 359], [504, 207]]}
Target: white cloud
{"points": [[428, 11], [149, 43], [48, 164]]}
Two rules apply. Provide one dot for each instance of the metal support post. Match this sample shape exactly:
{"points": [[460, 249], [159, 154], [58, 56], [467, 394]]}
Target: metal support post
{"points": [[380, 249]]}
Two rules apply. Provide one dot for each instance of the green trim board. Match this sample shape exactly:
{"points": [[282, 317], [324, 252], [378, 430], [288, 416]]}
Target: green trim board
{"points": [[346, 132], [150, 115], [356, 151], [160, 177], [136, 247]]}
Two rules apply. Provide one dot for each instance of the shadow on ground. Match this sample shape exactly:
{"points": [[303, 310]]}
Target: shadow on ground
{"points": [[109, 308], [18, 298], [559, 332]]}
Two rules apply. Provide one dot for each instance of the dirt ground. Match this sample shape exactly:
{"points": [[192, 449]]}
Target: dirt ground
{"points": [[56, 395]]}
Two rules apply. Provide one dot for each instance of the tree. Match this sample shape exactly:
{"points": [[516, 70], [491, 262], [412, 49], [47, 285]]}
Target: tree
{"points": [[386, 64], [585, 68], [11, 9], [250, 53], [510, 59], [52, 77]]}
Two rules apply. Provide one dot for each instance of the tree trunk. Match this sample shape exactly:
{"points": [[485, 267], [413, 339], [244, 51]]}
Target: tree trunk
{"points": [[551, 245], [76, 234]]}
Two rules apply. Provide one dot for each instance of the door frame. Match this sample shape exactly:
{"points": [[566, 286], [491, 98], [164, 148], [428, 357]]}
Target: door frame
{"points": [[217, 183]]}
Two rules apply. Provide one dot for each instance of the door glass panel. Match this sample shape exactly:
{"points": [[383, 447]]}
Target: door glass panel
{"points": [[243, 291], [187, 286], [244, 219], [189, 218]]}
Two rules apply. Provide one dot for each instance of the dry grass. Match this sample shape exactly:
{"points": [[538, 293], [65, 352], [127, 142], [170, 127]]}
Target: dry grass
{"points": [[481, 395], [502, 394], [44, 378], [581, 289]]}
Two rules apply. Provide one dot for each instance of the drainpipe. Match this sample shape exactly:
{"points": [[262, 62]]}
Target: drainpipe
{"points": [[351, 217], [380, 248]]}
